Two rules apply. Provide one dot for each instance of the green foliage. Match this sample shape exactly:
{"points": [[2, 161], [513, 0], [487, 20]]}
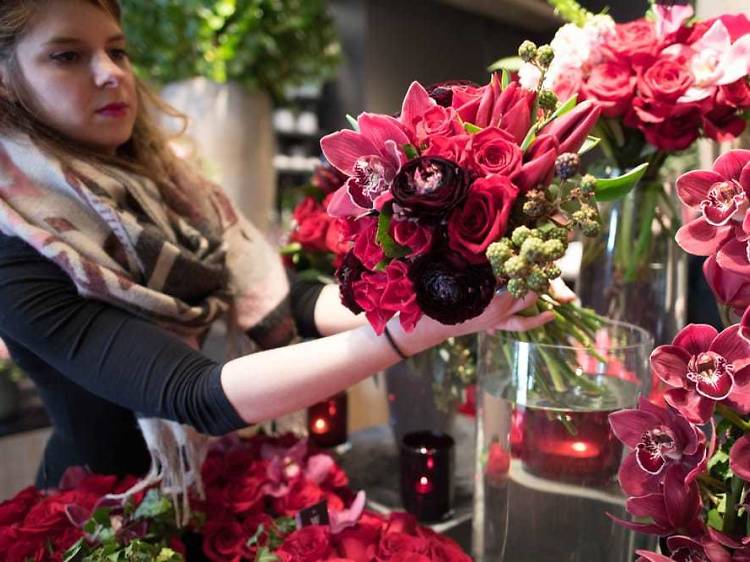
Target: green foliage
{"points": [[570, 11], [266, 45]]}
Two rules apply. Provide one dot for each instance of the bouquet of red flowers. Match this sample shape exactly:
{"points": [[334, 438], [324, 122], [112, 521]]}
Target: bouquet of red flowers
{"points": [[468, 189]]}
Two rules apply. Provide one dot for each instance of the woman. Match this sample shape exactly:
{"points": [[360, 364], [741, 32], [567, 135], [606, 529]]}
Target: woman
{"points": [[115, 259]]}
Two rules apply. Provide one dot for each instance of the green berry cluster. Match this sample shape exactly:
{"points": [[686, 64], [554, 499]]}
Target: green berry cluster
{"points": [[526, 259], [540, 56]]}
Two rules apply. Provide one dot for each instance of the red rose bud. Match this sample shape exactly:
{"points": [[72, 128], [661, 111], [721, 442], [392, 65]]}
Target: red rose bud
{"points": [[572, 129]]}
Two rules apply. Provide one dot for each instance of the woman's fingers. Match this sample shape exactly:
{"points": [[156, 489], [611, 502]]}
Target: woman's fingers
{"points": [[524, 323], [561, 292], [520, 304]]}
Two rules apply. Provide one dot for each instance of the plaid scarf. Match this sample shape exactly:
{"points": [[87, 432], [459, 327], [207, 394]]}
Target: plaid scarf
{"points": [[180, 256]]}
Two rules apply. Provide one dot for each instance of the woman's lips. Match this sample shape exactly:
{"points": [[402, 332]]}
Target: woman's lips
{"points": [[113, 110]]}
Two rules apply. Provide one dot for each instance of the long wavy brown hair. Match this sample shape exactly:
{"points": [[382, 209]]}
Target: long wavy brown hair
{"points": [[146, 152]]}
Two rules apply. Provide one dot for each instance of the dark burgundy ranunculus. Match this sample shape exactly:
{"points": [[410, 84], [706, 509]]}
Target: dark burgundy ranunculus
{"points": [[349, 271], [430, 186], [450, 289], [442, 92]]}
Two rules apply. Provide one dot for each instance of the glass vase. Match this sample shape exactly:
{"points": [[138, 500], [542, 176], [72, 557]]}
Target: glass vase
{"points": [[546, 459], [635, 272]]}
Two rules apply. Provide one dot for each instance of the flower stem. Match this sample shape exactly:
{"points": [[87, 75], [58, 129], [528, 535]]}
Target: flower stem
{"points": [[730, 515], [733, 417]]}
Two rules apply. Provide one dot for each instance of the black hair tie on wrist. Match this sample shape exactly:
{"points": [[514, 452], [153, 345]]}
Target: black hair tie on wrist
{"points": [[393, 344]]}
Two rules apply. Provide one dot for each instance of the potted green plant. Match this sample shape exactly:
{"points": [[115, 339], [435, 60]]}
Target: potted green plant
{"points": [[224, 63]]}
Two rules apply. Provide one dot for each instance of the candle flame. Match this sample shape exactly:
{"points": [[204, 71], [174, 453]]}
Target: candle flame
{"points": [[579, 446], [320, 425]]}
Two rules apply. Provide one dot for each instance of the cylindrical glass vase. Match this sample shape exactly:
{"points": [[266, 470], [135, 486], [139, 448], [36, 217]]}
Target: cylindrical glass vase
{"points": [[547, 461]]}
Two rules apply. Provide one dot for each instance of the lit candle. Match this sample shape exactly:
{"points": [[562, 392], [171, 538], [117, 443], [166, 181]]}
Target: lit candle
{"points": [[427, 465], [326, 421], [582, 451]]}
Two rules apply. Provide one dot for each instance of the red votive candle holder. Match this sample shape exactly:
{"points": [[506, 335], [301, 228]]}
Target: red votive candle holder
{"points": [[427, 461], [327, 420], [583, 450]]}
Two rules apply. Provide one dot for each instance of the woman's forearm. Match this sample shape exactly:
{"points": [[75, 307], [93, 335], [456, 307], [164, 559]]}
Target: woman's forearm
{"points": [[274, 382], [332, 317]]}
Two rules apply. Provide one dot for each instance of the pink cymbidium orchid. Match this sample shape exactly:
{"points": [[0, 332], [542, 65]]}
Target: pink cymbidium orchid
{"points": [[674, 508], [659, 438], [721, 196], [370, 157], [713, 61], [705, 367], [670, 18], [688, 549]]}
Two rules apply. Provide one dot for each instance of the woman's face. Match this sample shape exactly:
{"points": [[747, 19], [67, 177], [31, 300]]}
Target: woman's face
{"points": [[77, 72]]}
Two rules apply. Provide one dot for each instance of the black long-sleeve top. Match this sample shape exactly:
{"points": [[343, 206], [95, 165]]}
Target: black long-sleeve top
{"points": [[96, 364]]}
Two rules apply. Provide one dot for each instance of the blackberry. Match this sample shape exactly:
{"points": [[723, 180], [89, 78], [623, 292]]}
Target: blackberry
{"points": [[567, 164], [527, 51]]}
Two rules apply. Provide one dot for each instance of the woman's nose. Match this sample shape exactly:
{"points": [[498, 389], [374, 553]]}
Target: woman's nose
{"points": [[107, 74]]}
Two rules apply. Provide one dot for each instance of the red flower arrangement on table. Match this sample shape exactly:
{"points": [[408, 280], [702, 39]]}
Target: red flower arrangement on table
{"points": [[253, 490], [688, 476]]}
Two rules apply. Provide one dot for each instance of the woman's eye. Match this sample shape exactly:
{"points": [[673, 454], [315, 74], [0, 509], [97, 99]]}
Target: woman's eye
{"points": [[66, 56], [118, 54]]}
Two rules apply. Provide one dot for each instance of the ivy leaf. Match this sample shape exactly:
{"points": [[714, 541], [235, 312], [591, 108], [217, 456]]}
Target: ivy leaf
{"points": [[564, 108], [530, 137], [152, 506], [384, 239], [609, 189], [256, 536], [73, 551], [715, 520]]}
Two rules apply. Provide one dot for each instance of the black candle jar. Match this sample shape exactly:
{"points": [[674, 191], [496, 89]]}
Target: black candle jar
{"points": [[427, 461]]}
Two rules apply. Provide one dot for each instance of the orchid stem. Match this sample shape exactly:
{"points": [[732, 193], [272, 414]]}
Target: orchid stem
{"points": [[712, 482], [730, 515], [733, 417]]}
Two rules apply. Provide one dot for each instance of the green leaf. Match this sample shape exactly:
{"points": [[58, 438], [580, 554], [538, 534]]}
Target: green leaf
{"points": [[73, 551], [471, 128], [152, 506], [411, 151], [564, 108], [718, 457], [609, 189], [101, 516], [256, 536], [589, 144], [505, 79], [511, 64], [530, 137], [715, 520], [291, 248], [265, 555], [384, 239], [353, 122]]}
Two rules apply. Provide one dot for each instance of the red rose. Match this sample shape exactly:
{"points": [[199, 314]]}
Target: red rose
{"points": [[337, 237], [46, 518], [412, 234], [28, 549], [482, 218], [611, 85], [494, 151], [442, 549], [383, 294], [437, 120], [667, 126], [63, 542], [309, 544], [665, 81], [15, 509], [8, 537], [394, 543], [736, 94], [633, 42], [400, 522], [366, 247], [302, 494], [223, 540], [723, 124], [243, 494], [410, 557], [358, 542], [337, 478], [312, 224], [451, 148]]}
